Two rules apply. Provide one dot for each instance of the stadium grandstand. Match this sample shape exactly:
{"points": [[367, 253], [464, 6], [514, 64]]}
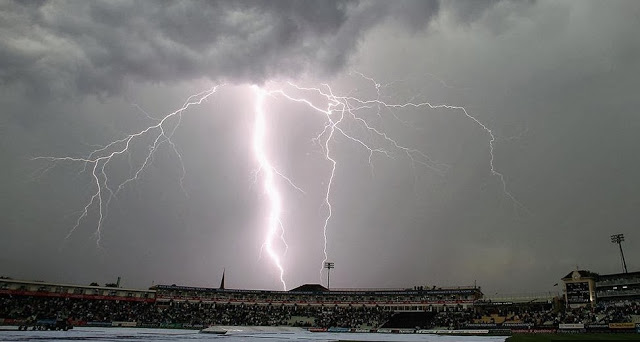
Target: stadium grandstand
{"points": [[590, 302], [310, 305], [618, 287], [586, 288], [416, 299], [42, 289]]}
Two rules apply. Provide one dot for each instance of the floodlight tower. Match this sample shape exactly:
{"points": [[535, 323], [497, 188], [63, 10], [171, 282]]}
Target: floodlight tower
{"points": [[618, 238], [328, 265]]}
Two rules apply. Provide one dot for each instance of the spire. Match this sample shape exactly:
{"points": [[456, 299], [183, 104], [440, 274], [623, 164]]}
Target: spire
{"points": [[222, 281]]}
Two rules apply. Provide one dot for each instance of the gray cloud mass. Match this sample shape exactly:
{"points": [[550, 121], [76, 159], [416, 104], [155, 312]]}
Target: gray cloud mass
{"points": [[76, 47]]}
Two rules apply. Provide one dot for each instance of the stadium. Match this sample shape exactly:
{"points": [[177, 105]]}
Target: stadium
{"points": [[589, 303]]}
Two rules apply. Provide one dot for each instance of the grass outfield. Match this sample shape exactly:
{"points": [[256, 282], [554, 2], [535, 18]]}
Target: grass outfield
{"points": [[572, 337]]}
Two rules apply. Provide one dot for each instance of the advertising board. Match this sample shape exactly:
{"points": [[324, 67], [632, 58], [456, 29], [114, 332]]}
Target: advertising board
{"points": [[622, 325], [534, 331]]}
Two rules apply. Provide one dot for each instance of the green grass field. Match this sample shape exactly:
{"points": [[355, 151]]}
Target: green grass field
{"points": [[572, 337]]}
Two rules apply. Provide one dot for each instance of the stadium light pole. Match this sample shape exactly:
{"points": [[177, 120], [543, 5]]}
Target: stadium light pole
{"points": [[618, 238], [328, 265]]}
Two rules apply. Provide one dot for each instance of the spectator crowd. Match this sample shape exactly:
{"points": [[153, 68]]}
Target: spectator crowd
{"points": [[602, 313], [205, 314], [192, 313]]}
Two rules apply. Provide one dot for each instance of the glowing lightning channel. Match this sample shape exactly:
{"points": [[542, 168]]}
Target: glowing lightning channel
{"points": [[275, 200]]}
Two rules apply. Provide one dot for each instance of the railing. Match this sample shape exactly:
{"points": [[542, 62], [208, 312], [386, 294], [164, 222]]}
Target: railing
{"points": [[617, 293], [614, 282], [365, 289]]}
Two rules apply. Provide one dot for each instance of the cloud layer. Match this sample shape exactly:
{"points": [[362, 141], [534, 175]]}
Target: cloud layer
{"points": [[75, 47]]}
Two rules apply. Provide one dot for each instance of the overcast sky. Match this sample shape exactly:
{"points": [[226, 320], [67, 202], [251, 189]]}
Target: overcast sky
{"points": [[556, 83]]}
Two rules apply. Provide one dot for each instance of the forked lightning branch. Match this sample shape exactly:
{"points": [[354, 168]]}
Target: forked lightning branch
{"points": [[339, 112]]}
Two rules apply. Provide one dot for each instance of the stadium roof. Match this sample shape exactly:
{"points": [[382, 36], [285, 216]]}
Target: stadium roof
{"points": [[310, 288], [619, 275], [583, 274]]}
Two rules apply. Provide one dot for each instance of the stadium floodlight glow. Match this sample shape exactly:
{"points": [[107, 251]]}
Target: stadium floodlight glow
{"points": [[329, 265], [618, 238]]}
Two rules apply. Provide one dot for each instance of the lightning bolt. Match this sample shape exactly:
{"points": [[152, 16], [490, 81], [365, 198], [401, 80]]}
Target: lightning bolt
{"points": [[98, 159], [340, 107], [275, 199], [340, 112]]}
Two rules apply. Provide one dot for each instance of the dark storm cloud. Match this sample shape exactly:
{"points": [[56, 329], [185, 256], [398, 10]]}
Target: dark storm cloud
{"points": [[79, 47]]}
